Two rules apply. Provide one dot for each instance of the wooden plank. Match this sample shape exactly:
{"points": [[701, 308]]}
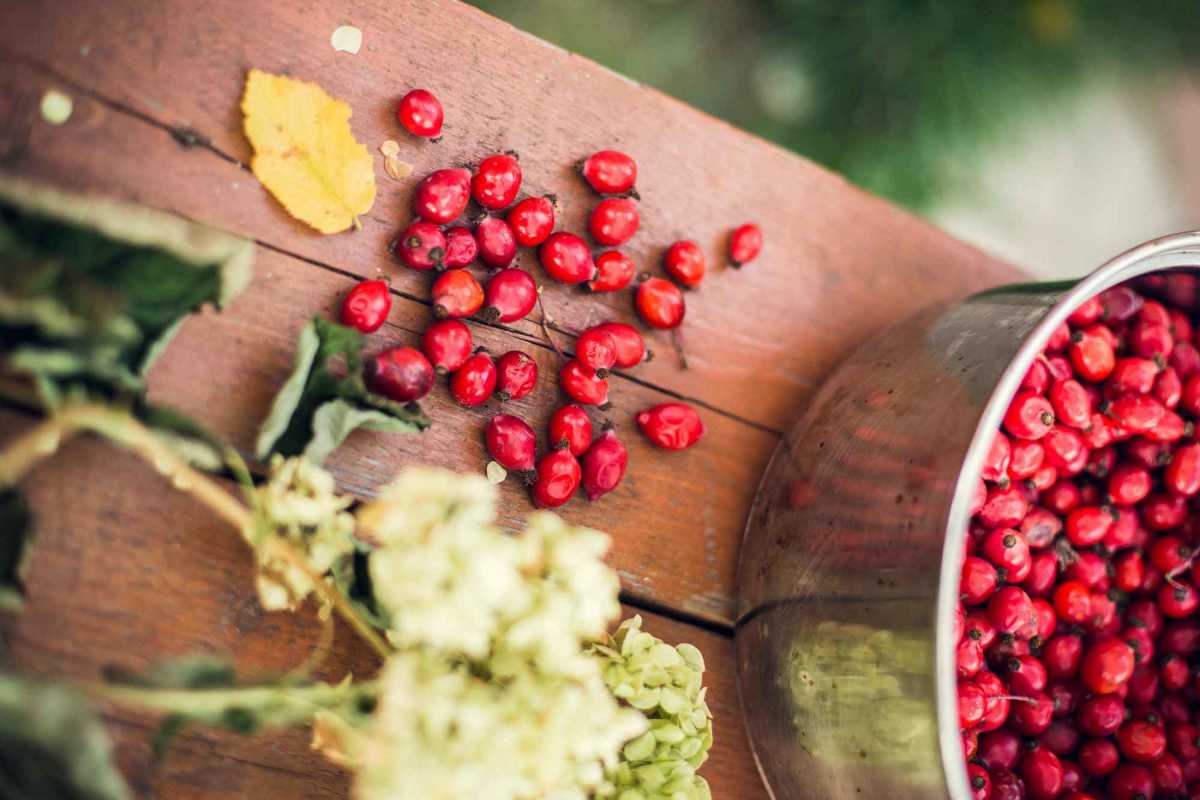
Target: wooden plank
{"points": [[125, 575], [838, 264]]}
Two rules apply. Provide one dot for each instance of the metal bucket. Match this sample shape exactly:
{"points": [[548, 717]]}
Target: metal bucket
{"points": [[847, 578]]}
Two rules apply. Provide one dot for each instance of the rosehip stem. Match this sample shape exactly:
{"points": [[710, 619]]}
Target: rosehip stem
{"points": [[545, 323]]}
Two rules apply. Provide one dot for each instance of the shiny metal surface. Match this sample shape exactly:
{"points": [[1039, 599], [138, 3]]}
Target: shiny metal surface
{"points": [[847, 579]]}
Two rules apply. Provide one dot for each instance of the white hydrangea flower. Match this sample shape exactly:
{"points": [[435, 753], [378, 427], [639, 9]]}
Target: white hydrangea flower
{"points": [[441, 732], [300, 505], [442, 571]]}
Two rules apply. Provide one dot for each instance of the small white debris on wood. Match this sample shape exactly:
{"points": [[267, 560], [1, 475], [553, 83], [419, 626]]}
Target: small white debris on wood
{"points": [[56, 107], [496, 473], [390, 147], [346, 39], [396, 168]]}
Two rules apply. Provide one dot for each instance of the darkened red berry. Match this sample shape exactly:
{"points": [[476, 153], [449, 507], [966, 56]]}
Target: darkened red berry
{"points": [[614, 221], [1043, 774], [597, 349], [672, 426], [475, 380], [571, 427], [630, 346], [1098, 757], [614, 270], [567, 258], [443, 195], [660, 303], [979, 782], [421, 245], [402, 374], [456, 294], [581, 383], [604, 464], [447, 345], [421, 114], [510, 295], [511, 442], [496, 243], [516, 375], [532, 220], [609, 172], [558, 476], [1107, 665], [684, 261], [366, 306], [745, 243], [460, 248], [496, 181], [1142, 741]]}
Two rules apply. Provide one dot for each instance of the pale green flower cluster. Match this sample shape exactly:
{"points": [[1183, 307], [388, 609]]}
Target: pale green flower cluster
{"points": [[665, 684], [493, 692], [300, 505]]}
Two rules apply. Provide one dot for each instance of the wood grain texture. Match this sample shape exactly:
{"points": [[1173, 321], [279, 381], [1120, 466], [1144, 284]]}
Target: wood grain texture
{"points": [[128, 577]]}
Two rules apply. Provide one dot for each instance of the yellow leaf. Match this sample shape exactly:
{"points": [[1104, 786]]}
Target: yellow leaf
{"points": [[305, 153]]}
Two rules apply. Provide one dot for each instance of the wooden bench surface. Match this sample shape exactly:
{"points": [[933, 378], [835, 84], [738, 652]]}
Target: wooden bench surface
{"points": [[125, 573]]}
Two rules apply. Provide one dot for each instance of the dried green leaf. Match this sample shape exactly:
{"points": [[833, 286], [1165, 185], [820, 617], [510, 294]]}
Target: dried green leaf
{"points": [[52, 745], [327, 368]]}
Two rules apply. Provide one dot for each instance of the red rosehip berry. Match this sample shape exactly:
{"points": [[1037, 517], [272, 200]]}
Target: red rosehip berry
{"points": [[421, 245], [1029, 416], [1043, 774], [660, 303], [366, 306], [496, 181], [672, 426], [995, 464], [614, 270], [630, 346], [402, 374], [475, 380], [1182, 475], [443, 195], [1142, 741], [421, 113], [509, 296], [980, 783], [684, 261], [1098, 757], [460, 248], [1107, 665], [614, 221], [511, 443], [516, 375], [558, 476], [447, 345], [745, 243], [496, 243], [532, 220], [1011, 611], [604, 464], [979, 580], [566, 258], [1072, 405], [596, 348], [609, 172], [1092, 355], [571, 427], [582, 384], [456, 294]]}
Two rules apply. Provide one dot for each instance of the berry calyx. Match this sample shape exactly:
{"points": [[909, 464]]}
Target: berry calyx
{"points": [[421, 245], [582, 384], [614, 271], [660, 304], [604, 464], [497, 180], [516, 375], [558, 476], [443, 195], [421, 113], [475, 380], [510, 295], [532, 220], [571, 427], [609, 172], [614, 221], [684, 261], [496, 243], [672, 426], [567, 258], [745, 243], [456, 294], [512, 443], [447, 345], [402, 374], [366, 306]]}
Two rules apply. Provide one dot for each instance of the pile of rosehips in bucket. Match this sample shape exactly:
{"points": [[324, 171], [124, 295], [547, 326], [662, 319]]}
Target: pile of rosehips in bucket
{"points": [[464, 217], [1079, 642]]}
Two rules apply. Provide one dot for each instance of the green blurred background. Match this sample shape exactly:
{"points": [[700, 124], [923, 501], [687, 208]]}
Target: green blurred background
{"points": [[916, 100]]}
